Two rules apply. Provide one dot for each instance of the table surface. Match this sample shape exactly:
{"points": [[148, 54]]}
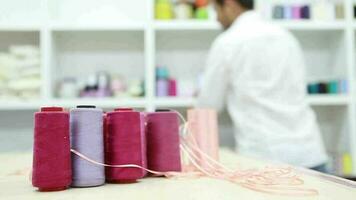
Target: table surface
{"points": [[15, 184]]}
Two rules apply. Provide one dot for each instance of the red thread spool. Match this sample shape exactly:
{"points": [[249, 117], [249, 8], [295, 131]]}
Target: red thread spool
{"points": [[51, 151], [125, 144], [163, 152], [201, 3]]}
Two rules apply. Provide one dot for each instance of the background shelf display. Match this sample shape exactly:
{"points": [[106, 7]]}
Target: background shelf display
{"points": [[82, 54], [77, 38]]}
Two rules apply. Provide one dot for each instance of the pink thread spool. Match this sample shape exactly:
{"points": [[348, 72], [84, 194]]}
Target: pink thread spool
{"points": [[125, 144], [203, 125], [296, 12]]}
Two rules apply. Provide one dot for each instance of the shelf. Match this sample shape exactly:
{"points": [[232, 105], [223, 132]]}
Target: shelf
{"points": [[124, 26], [326, 100], [19, 27], [214, 25], [187, 25], [315, 100], [174, 102], [311, 25], [102, 103]]}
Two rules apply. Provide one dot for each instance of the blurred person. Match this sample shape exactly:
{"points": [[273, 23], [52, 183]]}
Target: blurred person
{"points": [[257, 70]]}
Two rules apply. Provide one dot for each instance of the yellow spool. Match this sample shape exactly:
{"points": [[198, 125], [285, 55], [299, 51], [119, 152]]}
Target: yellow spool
{"points": [[164, 11]]}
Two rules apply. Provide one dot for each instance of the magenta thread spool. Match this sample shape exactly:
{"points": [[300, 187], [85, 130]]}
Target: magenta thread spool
{"points": [[172, 87], [125, 144], [86, 128], [163, 151], [51, 151]]}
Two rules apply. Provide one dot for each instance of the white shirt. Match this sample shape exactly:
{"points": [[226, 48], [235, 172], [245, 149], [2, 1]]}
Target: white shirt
{"points": [[257, 70]]}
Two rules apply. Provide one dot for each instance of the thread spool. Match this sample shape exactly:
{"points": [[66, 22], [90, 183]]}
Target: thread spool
{"points": [[296, 12], [163, 153], [125, 140], [86, 125], [202, 13], [333, 87], [343, 86], [203, 125], [305, 12], [163, 10], [278, 12], [162, 87], [323, 88], [313, 88], [288, 12], [51, 151], [172, 87]]}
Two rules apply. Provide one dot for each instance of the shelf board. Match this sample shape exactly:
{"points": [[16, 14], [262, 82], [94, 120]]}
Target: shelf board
{"points": [[314, 100], [186, 25], [310, 25], [20, 27], [102, 103], [122, 26], [174, 102], [171, 102], [328, 100]]}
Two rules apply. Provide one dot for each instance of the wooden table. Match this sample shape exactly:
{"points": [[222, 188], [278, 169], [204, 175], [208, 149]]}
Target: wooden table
{"points": [[15, 185]]}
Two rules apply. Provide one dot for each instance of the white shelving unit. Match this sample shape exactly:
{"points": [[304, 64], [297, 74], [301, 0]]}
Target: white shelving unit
{"points": [[76, 36]]}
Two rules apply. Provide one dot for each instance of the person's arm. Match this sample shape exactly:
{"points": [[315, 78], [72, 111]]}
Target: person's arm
{"points": [[214, 85]]}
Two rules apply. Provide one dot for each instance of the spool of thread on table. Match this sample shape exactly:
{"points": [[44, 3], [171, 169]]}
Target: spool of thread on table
{"points": [[86, 125], [51, 151], [163, 153], [126, 144], [203, 125]]}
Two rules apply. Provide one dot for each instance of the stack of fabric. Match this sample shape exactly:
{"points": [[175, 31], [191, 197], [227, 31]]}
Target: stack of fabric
{"points": [[20, 73]]}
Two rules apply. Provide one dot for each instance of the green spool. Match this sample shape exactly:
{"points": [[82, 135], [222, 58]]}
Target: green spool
{"points": [[202, 13], [333, 87]]}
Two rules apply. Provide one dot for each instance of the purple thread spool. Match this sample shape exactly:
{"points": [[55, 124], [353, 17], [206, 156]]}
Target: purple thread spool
{"points": [[86, 130], [296, 12], [162, 87]]}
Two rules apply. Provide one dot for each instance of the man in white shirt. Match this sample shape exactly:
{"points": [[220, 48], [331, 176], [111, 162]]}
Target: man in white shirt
{"points": [[257, 70]]}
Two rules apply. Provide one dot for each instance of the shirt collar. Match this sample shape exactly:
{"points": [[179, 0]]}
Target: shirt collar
{"points": [[245, 17]]}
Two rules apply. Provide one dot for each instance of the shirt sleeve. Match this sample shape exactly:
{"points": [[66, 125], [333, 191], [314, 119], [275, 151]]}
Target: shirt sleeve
{"points": [[214, 85]]}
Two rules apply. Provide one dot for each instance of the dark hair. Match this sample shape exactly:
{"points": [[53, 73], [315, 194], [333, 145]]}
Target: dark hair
{"points": [[248, 4]]}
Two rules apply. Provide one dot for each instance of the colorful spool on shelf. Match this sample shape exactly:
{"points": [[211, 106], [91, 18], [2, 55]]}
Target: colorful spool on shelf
{"points": [[51, 150], [183, 9], [331, 87], [165, 86], [163, 10], [316, 11], [86, 128]]}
